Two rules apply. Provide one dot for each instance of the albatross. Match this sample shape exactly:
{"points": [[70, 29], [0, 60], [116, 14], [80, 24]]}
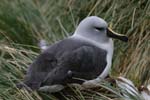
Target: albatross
{"points": [[84, 58]]}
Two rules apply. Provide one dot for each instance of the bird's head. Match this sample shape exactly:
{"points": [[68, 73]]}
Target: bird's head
{"points": [[96, 28]]}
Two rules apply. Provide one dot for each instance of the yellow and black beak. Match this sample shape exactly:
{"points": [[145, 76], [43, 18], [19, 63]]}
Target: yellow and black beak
{"points": [[112, 34]]}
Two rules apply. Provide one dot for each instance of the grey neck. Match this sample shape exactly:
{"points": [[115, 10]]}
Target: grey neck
{"points": [[95, 36]]}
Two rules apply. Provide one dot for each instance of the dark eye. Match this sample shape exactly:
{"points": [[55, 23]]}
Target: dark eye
{"points": [[100, 28]]}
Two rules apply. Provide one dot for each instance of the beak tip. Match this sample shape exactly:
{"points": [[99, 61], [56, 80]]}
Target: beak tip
{"points": [[125, 39], [113, 34]]}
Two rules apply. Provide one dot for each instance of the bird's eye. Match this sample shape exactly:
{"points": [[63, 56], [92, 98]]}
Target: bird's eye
{"points": [[99, 28]]}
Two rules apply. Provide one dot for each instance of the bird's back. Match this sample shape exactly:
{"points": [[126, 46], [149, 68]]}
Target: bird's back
{"points": [[84, 59]]}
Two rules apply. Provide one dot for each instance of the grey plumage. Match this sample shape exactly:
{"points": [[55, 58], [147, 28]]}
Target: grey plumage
{"points": [[86, 55], [83, 59]]}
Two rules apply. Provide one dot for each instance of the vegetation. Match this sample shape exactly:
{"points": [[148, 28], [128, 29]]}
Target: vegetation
{"points": [[23, 23]]}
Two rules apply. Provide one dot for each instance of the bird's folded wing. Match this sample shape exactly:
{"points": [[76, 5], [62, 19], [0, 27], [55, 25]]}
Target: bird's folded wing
{"points": [[38, 70], [84, 63]]}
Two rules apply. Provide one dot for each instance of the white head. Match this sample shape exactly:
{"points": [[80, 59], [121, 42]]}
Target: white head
{"points": [[95, 28]]}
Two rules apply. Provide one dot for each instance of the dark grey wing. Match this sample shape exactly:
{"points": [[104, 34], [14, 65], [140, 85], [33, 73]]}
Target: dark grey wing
{"points": [[38, 70], [85, 62]]}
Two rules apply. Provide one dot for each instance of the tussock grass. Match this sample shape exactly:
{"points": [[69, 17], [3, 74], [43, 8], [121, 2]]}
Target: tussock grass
{"points": [[24, 22]]}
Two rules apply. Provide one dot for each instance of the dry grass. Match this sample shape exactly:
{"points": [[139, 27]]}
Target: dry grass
{"points": [[24, 22]]}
